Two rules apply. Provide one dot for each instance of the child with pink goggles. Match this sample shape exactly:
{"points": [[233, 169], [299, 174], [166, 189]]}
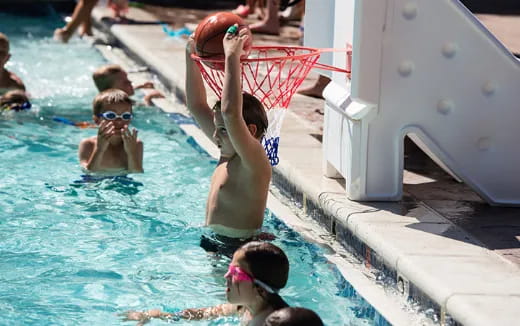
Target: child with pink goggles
{"points": [[237, 274]]}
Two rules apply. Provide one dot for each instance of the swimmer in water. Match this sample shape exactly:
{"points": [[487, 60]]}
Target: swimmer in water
{"points": [[115, 148], [114, 76], [255, 275], [240, 183]]}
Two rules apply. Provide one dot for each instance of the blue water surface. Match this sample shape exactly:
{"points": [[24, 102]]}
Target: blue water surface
{"points": [[75, 251]]}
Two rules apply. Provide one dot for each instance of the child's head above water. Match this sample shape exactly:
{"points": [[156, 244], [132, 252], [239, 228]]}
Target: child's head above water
{"points": [[293, 316], [112, 76], [114, 106], [257, 269], [115, 147], [15, 100]]}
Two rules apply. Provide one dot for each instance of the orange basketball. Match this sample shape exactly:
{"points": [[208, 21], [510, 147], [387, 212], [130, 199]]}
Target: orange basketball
{"points": [[210, 33]]}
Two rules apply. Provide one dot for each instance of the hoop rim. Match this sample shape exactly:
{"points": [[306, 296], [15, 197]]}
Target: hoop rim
{"points": [[312, 52], [220, 59]]}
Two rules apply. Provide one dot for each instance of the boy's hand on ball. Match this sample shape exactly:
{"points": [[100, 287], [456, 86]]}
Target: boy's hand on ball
{"points": [[234, 42]]}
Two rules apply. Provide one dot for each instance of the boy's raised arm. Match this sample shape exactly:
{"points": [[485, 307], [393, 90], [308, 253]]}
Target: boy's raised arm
{"points": [[246, 145], [196, 94]]}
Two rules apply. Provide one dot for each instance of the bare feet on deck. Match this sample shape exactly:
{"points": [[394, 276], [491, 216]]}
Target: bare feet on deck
{"points": [[270, 23], [315, 90]]}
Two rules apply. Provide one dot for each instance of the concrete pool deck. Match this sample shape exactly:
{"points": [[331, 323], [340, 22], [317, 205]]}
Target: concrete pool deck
{"points": [[441, 245]]}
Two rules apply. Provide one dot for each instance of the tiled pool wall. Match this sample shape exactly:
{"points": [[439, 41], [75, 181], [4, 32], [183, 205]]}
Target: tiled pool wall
{"points": [[371, 259], [363, 309]]}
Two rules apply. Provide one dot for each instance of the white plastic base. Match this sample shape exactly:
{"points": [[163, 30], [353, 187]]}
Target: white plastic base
{"points": [[451, 86]]}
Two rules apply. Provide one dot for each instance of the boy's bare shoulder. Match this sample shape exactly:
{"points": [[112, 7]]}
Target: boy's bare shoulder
{"points": [[261, 164], [85, 148], [261, 168]]}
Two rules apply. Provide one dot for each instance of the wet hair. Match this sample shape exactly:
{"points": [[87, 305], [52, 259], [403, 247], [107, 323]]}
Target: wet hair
{"points": [[104, 76], [109, 97], [16, 96], [293, 316], [268, 264], [253, 112]]}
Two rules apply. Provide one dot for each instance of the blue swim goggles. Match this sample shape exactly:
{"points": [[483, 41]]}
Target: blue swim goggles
{"points": [[17, 106], [111, 115]]}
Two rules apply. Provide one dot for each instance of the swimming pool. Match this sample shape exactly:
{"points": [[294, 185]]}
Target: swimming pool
{"points": [[75, 252]]}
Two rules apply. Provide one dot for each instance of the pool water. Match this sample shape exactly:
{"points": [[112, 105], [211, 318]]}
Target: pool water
{"points": [[78, 252]]}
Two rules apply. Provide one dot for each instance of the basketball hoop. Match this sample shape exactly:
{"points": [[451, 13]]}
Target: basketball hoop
{"points": [[272, 74]]}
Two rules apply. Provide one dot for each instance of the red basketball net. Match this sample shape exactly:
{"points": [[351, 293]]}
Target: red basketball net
{"points": [[270, 73]]}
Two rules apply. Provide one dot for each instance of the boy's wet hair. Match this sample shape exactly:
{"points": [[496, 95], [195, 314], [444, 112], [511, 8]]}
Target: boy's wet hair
{"points": [[293, 316], [109, 97], [16, 96], [268, 264], [104, 76], [253, 112]]}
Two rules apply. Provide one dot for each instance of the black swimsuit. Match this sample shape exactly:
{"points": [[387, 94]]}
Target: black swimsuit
{"points": [[221, 244]]}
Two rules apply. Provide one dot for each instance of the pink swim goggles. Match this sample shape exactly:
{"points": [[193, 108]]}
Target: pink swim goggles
{"points": [[239, 275]]}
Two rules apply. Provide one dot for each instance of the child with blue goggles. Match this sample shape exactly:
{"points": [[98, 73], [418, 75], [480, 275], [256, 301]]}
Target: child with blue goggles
{"points": [[115, 148]]}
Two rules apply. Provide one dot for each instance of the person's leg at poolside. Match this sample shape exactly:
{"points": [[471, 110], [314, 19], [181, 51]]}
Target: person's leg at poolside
{"points": [[258, 7], [86, 27], [80, 16], [270, 24]]}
